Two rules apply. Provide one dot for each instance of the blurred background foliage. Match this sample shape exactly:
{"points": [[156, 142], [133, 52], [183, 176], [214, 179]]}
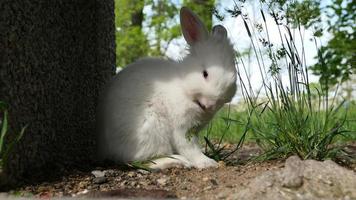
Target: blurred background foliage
{"points": [[140, 34], [147, 27]]}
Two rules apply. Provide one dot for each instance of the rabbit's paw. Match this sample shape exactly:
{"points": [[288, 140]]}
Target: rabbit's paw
{"points": [[204, 162], [169, 162]]}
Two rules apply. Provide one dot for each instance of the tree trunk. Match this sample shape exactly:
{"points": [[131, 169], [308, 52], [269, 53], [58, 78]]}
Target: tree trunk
{"points": [[55, 57], [137, 14]]}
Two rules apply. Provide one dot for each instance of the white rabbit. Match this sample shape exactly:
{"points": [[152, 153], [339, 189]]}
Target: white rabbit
{"points": [[152, 104]]}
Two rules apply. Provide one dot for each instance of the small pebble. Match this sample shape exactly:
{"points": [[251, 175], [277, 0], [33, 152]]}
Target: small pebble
{"points": [[162, 181], [100, 180], [131, 174], [93, 187], [81, 192], [82, 184], [143, 171], [222, 195], [42, 189], [208, 188], [133, 183], [143, 183], [123, 183], [98, 173], [221, 164], [213, 181]]}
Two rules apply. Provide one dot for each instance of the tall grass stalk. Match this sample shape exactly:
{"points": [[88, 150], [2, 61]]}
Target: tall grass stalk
{"points": [[216, 149], [5, 149], [285, 119]]}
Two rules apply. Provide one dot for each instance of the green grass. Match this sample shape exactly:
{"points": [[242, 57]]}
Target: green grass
{"points": [[6, 148], [350, 124], [3, 131], [284, 117], [219, 127], [280, 134], [228, 124]]}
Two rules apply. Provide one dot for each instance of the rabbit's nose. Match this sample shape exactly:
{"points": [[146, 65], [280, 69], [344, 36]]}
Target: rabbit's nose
{"points": [[207, 104]]}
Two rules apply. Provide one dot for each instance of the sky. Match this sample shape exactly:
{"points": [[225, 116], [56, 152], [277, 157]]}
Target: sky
{"points": [[239, 38]]}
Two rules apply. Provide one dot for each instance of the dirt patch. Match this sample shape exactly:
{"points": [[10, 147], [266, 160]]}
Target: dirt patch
{"points": [[218, 183], [307, 179], [182, 183]]}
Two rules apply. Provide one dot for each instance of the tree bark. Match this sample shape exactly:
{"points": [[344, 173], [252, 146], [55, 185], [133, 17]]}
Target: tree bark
{"points": [[55, 57]]}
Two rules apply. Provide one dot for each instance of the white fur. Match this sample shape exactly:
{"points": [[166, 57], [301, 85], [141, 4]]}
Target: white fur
{"points": [[151, 104]]}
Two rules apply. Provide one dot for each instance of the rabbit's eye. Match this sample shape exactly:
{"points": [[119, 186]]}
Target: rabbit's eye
{"points": [[205, 74]]}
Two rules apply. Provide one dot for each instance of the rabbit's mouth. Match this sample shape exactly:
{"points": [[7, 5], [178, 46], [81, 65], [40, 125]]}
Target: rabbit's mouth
{"points": [[205, 104], [202, 106]]}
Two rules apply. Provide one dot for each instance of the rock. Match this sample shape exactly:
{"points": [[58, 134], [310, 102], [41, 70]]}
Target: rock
{"points": [[100, 180], [42, 189], [143, 183], [292, 176], [162, 181], [221, 164], [133, 183], [214, 182], [82, 184], [222, 195], [98, 173], [205, 179], [118, 179], [123, 183], [299, 179], [184, 187], [81, 193], [141, 171], [131, 174], [207, 188]]}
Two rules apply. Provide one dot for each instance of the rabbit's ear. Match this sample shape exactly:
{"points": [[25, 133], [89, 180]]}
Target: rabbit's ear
{"points": [[192, 27], [219, 32]]}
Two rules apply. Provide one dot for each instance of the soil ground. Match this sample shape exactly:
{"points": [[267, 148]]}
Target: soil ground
{"points": [[214, 183]]}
